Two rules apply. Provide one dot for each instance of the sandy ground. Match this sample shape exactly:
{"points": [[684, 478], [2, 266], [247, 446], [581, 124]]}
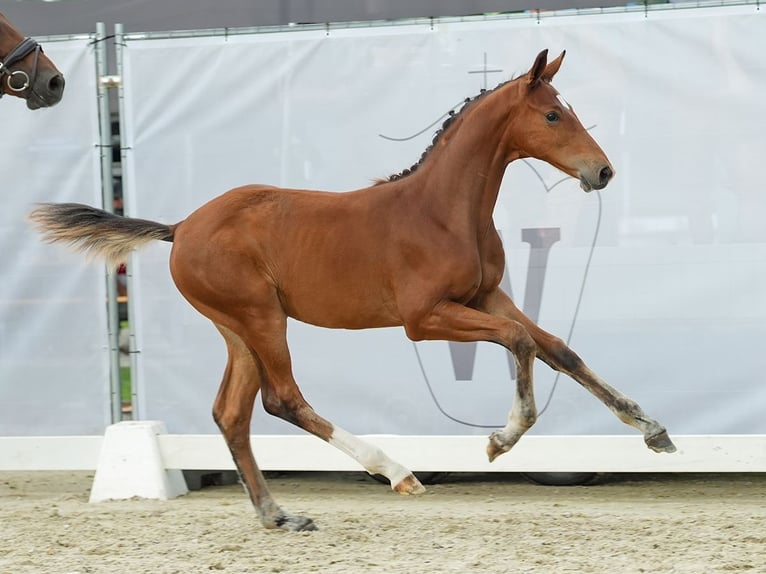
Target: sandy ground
{"points": [[699, 524]]}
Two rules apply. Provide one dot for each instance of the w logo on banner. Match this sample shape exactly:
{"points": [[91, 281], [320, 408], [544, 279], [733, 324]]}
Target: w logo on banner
{"points": [[540, 241]]}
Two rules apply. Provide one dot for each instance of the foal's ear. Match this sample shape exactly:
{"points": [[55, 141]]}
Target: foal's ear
{"points": [[538, 68], [553, 67]]}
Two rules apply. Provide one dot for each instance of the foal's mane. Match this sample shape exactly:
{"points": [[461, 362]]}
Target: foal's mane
{"points": [[452, 115]]}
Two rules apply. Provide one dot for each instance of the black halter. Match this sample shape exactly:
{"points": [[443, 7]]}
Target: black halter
{"points": [[26, 47]]}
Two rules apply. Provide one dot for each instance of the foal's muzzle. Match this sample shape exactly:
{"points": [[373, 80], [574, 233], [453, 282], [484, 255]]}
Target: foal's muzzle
{"points": [[596, 178]]}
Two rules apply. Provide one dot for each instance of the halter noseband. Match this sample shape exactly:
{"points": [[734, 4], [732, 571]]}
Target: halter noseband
{"points": [[25, 47]]}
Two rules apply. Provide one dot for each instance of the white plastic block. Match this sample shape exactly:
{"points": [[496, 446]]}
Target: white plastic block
{"points": [[130, 464]]}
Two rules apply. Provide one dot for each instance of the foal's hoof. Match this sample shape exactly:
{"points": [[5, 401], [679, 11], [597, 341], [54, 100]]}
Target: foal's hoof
{"points": [[497, 446], [409, 485], [295, 523], [660, 442]]}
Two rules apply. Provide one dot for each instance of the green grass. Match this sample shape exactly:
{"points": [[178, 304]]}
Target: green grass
{"points": [[125, 394], [125, 384]]}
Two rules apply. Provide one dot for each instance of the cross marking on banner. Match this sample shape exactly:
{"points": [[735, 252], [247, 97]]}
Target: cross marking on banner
{"points": [[484, 70]]}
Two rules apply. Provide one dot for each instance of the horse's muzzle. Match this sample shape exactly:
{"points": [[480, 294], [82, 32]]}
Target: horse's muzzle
{"points": [[47, 90]]}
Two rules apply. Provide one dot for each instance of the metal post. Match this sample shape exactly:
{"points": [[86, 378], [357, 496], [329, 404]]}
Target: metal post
{"points": [[135, 398], [107, 190]]}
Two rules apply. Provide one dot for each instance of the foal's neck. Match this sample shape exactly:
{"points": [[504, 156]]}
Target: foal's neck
{"points": [[462, 178]]}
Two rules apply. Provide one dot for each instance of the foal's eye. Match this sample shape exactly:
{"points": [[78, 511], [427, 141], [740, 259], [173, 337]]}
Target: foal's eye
{"points": [[552, 117]]}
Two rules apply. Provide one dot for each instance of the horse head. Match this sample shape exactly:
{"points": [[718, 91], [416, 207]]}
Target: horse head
{"points": [[552, 132], [25, 71]]}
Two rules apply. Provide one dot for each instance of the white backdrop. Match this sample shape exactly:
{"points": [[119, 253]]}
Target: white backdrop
{"points": [[673, 308], [54, 363]]}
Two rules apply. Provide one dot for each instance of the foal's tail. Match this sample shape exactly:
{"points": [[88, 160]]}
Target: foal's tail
{"points": [[96, 232]]}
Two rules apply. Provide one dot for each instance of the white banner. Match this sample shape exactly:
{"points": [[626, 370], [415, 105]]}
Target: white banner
{"points": [[670, 259], [54, 362]]}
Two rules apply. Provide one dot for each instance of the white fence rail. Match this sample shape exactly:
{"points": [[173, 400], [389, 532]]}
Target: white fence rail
{"points": [[714, 453]]}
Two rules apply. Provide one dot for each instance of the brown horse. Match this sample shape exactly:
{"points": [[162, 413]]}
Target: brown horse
{"points": [[25, 72], [418, 250]]}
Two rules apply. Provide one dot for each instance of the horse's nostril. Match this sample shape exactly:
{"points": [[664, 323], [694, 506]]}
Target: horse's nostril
{"points": [[56, 84], [605, 175]]}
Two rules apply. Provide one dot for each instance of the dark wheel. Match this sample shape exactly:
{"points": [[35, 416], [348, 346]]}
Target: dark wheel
{"points": [[562, 478], [423, 477]]}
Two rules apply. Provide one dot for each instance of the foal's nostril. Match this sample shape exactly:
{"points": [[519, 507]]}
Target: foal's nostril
{"points": [[605, 175]]}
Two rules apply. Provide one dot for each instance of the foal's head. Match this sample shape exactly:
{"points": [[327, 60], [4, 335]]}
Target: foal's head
{"points": [[548, 129], [25, 72]]}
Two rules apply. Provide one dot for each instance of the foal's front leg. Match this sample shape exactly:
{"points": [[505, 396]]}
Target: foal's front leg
{"points": [[560, 357], [455, 322]]}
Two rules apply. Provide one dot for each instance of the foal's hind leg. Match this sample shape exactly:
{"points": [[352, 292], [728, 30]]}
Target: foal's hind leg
{"points": [[282, 398], [232, 411], [560, 357]]}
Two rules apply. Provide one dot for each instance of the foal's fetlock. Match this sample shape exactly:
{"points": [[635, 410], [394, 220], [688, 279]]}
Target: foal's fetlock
{"points": [[409, 485], [660, 442]]}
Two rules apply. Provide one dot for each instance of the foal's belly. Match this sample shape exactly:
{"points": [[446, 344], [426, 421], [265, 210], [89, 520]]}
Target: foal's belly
{"points": [[335, 308]]}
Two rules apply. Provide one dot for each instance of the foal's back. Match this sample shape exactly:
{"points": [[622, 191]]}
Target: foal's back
{"points": [[322, 256]]}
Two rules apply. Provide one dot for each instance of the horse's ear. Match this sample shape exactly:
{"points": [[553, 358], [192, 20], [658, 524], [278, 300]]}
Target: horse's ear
{"points": [[537, 69], [553, 67]]}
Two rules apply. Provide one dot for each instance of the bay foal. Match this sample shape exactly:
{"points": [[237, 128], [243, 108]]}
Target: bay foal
{"points": [[418, 250]]}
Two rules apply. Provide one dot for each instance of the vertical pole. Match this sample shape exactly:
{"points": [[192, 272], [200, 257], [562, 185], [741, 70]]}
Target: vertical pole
{"points": [[135, 399], [107, 190]]}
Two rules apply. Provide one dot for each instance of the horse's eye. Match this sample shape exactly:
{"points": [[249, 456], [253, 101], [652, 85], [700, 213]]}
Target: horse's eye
{"points": [[552, 117]]}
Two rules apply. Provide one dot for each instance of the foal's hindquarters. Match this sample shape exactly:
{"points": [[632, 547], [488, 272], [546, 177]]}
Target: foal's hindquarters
{"points": [[238, 292]]}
